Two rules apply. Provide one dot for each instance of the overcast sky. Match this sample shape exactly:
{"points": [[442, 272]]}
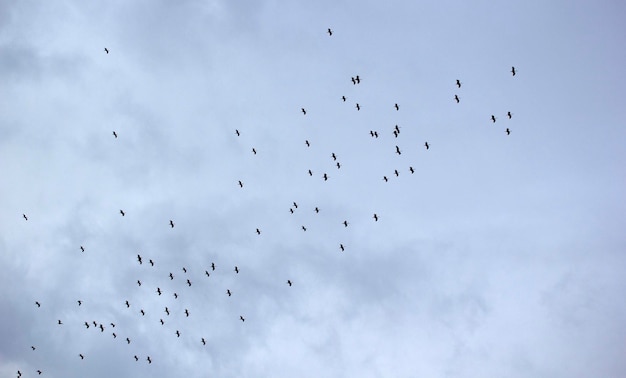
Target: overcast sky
{"points": [[502, 255]]}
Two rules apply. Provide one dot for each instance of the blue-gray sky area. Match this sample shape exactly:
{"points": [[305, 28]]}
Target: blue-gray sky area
{"points": [[488, 254]]}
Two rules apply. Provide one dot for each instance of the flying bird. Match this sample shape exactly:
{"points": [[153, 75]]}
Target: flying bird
{"points": [[317, 210], [122, 212], [187, 312], [162, 322], [412, 170], [213, 266], [102, 327], [203, 342], [114, 335], [344, 98], [513, 70], [303, 111], [237, 132], [188, 282], [372, 133], [106, 50], [236, 269], [291, 210], [341, 247], [353, 81], [325, 177], [81, 356], [33, 347], [240, 183], [171, 276], [395, 171], [395, 133], [509, 114], [228, 292], [375, 217], [397, 107], [139, 259], [307, 143], [114, 134], [254, 151], [86, 325], [159, 290], [508, 132], [60, 321], [258, 231], [330, 32], [151, 262], [82, 249], [207, 273], [303, 228], [289, 282], [171, 223], [38, 304], [338, 165], [167, 311], [398, 150], [112, 325], [358, 107], [358, 79], [458, 83], [385, 178], [334, 156], [149, 360], [184, 269], [79, 302], [127, 304], [136, 358], [345, 223], [376, 134], [295, 205], [493, 118], [426, 145], [25, 217], [456, 98], [138, 282], [242, 319], [397, 129], [39, 371], [127, 340]]}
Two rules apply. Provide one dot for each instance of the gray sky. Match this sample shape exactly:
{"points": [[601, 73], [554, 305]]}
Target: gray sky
{"points": [[502, 255]]}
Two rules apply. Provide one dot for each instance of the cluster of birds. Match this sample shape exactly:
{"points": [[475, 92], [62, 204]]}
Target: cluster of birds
{"points": [[396, 131]]}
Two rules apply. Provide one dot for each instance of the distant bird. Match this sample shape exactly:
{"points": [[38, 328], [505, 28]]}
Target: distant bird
{"points": [[175, 296], [60, 321], [358, 79], [102, 327], [493, 118], [38, 304], [115, 134], [330, 32], [344, 98], [258, 231], [171, 223], [237, 132], [508, 132], [385, 178], [513, 70], [82, 249], [325, 177], [207, 273], [228, 292], [353, 81], [79, 302], [86, 325], [81, 356], [122, 212], [395, 171], [25, 217], [240, 183], [33, 347], [236, 269], [159, 290], [291, 210], [167, 311], [303, 228], [398, 150], [112, 325], [426, 145], [127, 304], [114, 335], [19, 373], [188, 282], [338, 165], [203, 342], [295, 205], [303, 111], [456, 98], [151, 262], [375, 217], [39, 371], [395, 133], [307, 143], [136, 358], [334, 156], [397, 129], [106, 50], [149, 360], [372, 133], [184, 269], [289, 282], [171, 276], [162, 322], [397, 107], [254, 151], [509, 114], [213, 266], [242, 319], [317, 210], [139, 259], [138, 282], [345, 223], [458, 83], [358, 107], [341, 247], [412, 170], [187, 312], [376, 134], [127, 340], [95, 324]]}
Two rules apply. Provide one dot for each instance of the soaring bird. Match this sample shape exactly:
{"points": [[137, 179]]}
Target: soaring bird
{"points": [[187, 312], [39, 371], [151, 262], [122, 212], [258, 231], [508, 132], [307, 143], [171, 223], [240, 183], [375, 217], [203, 342], [289, 282], [397, 129], [398, 150], [79, 302], [81, 356], [338, 165], [426, 145], [143, 313], [253, 150], [207, 273], [25, 217], [395, 171], [82, 249], [242, 319], [458, 83], [344, 98], [334, 156], [341, 247], [127, 304], [385, 178], [159, 290], [171, 276], [509, 114], [127, 340], [184, 269], [353, 80], [317, 210], [167, 311], [86, 325], [60, 321], [303, 228], [138, 282], [213, 266], [188, 282], [376, 134], [106, 50], [513, 70], [295, 205], [397, 107], [33, 347], [162, 322], [112, 325], [303, 111], [149, 360], [395, 133], [95, 324], [358, 79], [412, 170], [358, 107], [38, 304], [345, 223], [456, 98], [237, 132], [114, 335], [493, 118], [236, 269], [139, 259], [291, 210], [330, 32], [372, 133], [228, 292], [136, 358], [325, 177], [114, 134]]}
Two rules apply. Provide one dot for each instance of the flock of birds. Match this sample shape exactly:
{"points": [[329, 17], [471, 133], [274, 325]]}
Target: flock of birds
{"points": [[116, 331]]}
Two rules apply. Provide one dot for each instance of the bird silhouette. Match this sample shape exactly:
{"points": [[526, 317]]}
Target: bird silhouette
{"points": [[228, 292], [82, 249], [207, 273], [307, 143], [127, 340], [127, 304], [456, 98], [289, 282], [303, 228], [38, 304], [303, 111], [188, 282], [237, 132], [458, 83], [509, 114], [122, 212], [345, 223], [203, 342], [162, 322], [60, 321], [167, 311], [139, 259], [33, 347], [353, 81], [291, 210], [412, 170], [106, 50], [398, 150], [159, 290], [236, 269], [242, 319], [115, 134], [330, 32], [151, 262], [95, 324], [397, 129], [213, 266], [86, 325], [375, 217], [171, 223], [372, 133], [114, 335], [385, 178], [258, 231], [254, 151], [334, 156], [187, 312], [136, 358], [112, 325], [39, 371], [295, 205], [171, 276], [325, 177], [81, 356], [102, 327], [184, 269], [358, 79], [240, 183], [341, 247], [344, 98], [79, 302], [338, 165], [358, 107], [426, 145], [395, 171], [508, 132], [397, 107], [317, 210], [376, 134], [149, 360], [25, 217], [395, 133], [493, 118], [513, 70], [138, 282]]}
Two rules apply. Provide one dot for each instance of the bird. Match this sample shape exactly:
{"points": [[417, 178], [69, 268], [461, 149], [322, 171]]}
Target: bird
{"points": [[353, 81], [236, 269], [242, 319], [171, 276], [237, 132], [258, 231], [291, 210], [112, 325], [254, 151], [376, 134], [372, 133], [151, 262], [60, 321], [295, 205], [330, 32], [385, 178], [114, 134], [149, 360], [127, 340], [25, 217], [509, 114], [114, 335], [95, 324], [458, 83], [395, 133], [39, 371], [493, 118], [395, 171], [228, 292], [122, 212], [508, 132], [513, 70], [33, 347], [289, 282], [341, 247], [175, 296], [102, 327], [325, 177], [303, 228], [177, 333], [167, 311], [138, 282], [345, 223], [338, 165], [187, 312], [334, 156], [162, 322], [106, 50], [159, 290], [317, 210], [303, 111], [397, 107], [188, 282], [240, 183], [139, 259], [203, 342], [82, 249], [86, 325], [81, 356], [136, 358], [344, 98], [79, 302], [358, 79], [213, 266], [127, 304], [358, 107], [397, 129], [375, 217], [38, 304], [171, 223], [398, 150], [426, 145], [456, 98], [19, 373], [412, 170], [307, 143], [207, 273], [184, 269]]}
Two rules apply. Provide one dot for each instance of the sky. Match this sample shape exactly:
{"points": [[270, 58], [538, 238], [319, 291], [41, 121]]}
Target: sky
{"points": [[501, 255]]}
